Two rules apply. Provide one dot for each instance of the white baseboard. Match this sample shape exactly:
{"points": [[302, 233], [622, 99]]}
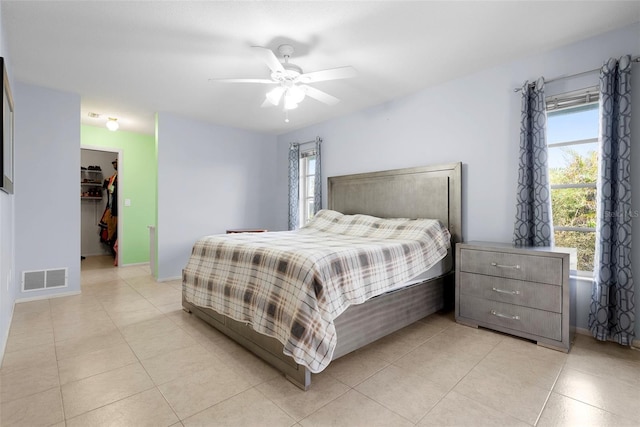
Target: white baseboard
{"points": [[635, 344], [5, 339], [62, 294], [134, 264], [583, 331], [168, 279], [98, 254]]}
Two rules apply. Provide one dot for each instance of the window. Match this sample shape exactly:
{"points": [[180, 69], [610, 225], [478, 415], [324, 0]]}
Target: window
{"points": [[572, 138], [307, 185]]}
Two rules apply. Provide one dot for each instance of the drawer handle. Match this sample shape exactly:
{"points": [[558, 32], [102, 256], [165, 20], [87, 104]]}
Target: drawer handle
{"points": [[504, 316], [516, 267], [503, 291]]}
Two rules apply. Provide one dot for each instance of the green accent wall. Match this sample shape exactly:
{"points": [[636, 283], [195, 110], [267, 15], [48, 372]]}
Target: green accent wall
{"points": [[137, 178]]}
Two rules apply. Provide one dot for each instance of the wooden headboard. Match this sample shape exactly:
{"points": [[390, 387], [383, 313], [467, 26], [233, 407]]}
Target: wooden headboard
{"points": [[424, 192]]}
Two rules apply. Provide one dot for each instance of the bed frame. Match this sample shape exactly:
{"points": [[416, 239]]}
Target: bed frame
{"points": [[422, 192]]}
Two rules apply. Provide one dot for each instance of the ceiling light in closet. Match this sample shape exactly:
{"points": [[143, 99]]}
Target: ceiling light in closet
{"points": [[112, 124]]}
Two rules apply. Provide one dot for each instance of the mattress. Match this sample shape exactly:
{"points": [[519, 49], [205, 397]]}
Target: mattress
{"points": [[440, 268]]}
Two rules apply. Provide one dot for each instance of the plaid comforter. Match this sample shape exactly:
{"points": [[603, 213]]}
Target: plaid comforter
{"points": [[291, 285]]}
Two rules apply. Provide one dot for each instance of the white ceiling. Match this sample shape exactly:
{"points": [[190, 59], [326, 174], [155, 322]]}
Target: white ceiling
{"points": [[131, 59]]}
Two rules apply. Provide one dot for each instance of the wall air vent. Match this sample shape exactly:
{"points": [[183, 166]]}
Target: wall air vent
{"points": [[44, 279]]}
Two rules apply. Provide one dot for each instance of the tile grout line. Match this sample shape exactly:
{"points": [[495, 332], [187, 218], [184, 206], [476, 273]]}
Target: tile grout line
{"points": [[55, 352], [139, 361], [460, 380], [448, 391], [107, 371], [575, 399], [157, 386], [553, 386]]}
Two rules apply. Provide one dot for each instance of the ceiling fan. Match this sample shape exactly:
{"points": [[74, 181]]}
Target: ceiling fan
{"points": [[292, 85]]}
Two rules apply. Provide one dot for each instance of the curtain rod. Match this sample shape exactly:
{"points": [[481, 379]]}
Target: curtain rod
{"points": [[318, 139], [518, 89]]}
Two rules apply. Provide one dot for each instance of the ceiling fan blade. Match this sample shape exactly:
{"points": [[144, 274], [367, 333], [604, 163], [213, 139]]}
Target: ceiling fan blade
{"points": [[263, 81], [269, 58], [331, 74], [320, 95]]}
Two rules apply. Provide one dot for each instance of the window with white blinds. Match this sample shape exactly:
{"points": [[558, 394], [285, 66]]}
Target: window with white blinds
{"points": [[573, 99]]}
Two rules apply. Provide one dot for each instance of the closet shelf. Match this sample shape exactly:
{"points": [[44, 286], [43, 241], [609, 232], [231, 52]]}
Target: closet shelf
{"points": [[90, 198], [91, 183]]}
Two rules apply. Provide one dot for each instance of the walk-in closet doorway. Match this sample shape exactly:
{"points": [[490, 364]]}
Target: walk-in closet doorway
{"points": [[100, 194]]}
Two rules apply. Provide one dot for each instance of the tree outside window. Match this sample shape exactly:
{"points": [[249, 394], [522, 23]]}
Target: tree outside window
{"points": [[572, 135]]}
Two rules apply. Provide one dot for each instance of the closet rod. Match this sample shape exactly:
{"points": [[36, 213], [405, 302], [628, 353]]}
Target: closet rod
{"points": [[518, 89]]}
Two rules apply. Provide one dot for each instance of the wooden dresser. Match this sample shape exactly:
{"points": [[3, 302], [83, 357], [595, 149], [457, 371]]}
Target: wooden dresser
{"points": [[516, 290]]}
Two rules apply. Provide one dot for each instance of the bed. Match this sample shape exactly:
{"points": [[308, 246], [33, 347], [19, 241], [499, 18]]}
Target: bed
{"points": [[426, 192]]}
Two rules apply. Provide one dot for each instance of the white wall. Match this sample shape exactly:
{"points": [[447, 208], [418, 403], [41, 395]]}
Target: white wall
{"points": [[47, 202], [475, 120], [7, 246], [210, 179]]}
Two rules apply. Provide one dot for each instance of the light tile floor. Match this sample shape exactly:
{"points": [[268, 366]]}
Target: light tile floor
{"points": [[123, 353]]}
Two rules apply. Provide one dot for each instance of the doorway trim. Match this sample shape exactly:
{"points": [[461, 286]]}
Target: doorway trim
{"points": [[120, 154]]}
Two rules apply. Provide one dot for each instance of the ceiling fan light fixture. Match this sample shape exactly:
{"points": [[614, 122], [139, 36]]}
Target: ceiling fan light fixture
{"points": [[274, 95], [292, 97], [290, 105], [295, 94]]}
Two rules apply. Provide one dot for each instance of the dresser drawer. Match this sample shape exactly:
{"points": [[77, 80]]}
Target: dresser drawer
{"points": [[526, 294], [537, 322], [513, 266]]}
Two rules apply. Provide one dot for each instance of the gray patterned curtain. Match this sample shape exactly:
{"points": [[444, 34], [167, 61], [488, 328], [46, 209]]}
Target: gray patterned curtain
{"points": [[533, 225], [294, 192], [612, 313], [317, 189]]}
